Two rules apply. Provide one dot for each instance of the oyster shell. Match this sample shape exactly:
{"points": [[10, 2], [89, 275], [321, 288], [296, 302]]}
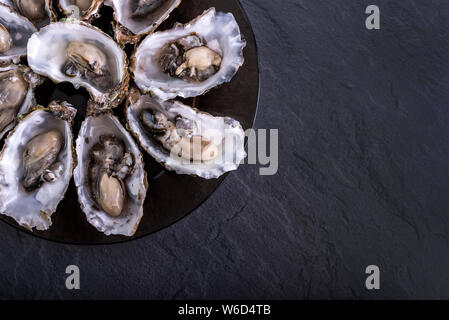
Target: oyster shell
{"points": [[15, 31], [17, 83], [189, 60], [86, 10], [36, 11], [79, 53], [36, 165], [136, 18], [110, 175], [184, 139]]}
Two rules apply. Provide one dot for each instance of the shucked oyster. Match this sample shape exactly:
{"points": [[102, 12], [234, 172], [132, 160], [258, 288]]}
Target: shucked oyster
{"points": [[16, 94], [37, 11], [5, 39], [110, 176], [184, 139], [36, 165], [85, 10], [189, 60], [76, 52], [15, 31], [136, 18]]}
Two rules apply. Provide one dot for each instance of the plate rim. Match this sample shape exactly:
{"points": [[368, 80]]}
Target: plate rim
{"points": [[130, 239]]}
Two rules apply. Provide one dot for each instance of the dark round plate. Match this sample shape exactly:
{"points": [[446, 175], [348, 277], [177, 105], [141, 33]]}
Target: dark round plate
{"points": [[170, 196]]}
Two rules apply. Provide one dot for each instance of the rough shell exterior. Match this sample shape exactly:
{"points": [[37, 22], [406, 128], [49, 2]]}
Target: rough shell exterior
{"points": [[129, 30]]}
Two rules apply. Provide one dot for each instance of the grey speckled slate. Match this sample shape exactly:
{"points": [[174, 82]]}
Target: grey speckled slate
{"points": [[363, 177]]}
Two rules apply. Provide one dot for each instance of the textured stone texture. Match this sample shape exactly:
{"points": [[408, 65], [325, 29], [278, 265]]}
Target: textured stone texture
{"points": [[363, 177]]}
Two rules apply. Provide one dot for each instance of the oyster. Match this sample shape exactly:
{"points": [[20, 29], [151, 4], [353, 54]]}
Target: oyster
{"points": [[136, 18], [37, 11], [184, 139], [110, 176], [79, 53], [36, 165], [189, 60], [16, 94], [86, 10], [5, 39], [15, 31]]}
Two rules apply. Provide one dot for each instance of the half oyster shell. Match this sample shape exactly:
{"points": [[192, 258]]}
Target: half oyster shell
{"points": [[76, 52], [85, 10], [15, 31], [189, 60], [36, 11], [36, 165], [110, 176], [17, 84], [136, 18], [184, 139]]}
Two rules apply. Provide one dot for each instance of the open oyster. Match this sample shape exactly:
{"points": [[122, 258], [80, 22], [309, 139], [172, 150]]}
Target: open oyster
{"points": [[79, 53], [110, 176], [85, 10], [189, 60], [15, 31], [37, 11], [136, 18], [36, 165], [16, 94], [184, 139]]}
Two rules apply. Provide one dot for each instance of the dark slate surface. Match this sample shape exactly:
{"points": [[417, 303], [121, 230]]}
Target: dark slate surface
{"points": [[363, 178]]}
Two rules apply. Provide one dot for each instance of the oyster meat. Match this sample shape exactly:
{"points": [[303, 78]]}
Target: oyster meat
{"points": [[16, 94], [36, 165], [136, 18], [184, 139], [110, 176], [15, 31], [86, 10], [5, 39], [189, 60], [76, 52]]}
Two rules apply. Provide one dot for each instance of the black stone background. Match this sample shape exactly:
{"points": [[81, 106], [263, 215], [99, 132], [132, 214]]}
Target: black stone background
{"points": [[363, 177]]}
